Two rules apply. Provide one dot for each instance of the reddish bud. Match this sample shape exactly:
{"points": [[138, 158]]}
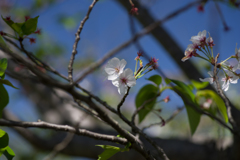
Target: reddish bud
{"points": [[2, 33], [38, 31], [200, 8], [8, 18], [167, 99], [134, 10], [27, 18], [139, 55], [32, 40]]}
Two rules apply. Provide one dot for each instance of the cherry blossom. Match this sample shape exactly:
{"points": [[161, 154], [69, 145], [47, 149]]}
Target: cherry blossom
{"points": [[230, 67], [114, 68], [209, 41], [210, 79], [229, 78], [200, 38], [237, 53], [125, 79], [189, 52]]}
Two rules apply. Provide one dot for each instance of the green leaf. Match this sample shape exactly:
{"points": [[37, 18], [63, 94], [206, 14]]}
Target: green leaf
{"points": [[4, 139], [186, 94], [30, 26], [199, 85], [193, 118], [4, 98], [108, 152], [9, 154], [156, 79], [9, 22], [217, 99], [3, 66], [7, 83], [146, 92], [2, 42], [185, 89], [18, 28]]}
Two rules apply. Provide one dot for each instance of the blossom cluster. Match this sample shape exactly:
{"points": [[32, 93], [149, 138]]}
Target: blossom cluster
{"points": [[205, 45], [120, 78]]}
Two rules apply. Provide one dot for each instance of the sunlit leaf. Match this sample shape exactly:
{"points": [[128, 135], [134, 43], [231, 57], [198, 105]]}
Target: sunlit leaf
{"points": [[108, 152], [199, 85], [156, 79], [146, 93], [9, 154], [217, 99], [4, 139], [3, 66]]}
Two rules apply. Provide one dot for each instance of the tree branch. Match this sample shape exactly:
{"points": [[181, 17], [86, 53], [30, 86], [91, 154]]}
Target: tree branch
{"points": [[74, 51]]}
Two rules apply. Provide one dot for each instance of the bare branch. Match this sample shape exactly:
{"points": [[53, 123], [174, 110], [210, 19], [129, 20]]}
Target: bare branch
{"points": [[225, 99], [74, 51], [64, 128]]}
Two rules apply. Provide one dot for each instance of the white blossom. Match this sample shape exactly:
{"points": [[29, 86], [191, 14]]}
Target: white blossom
{"points": [[189, 52], [198, 39], [114, 68], [125, 79], [237, 53], [229, 78], [210, 79], [230, 67]]}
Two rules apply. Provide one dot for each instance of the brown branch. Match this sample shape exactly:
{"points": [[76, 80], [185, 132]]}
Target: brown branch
{"points": [[36, 60], [64, 128], [225, 99], [74, 51]]}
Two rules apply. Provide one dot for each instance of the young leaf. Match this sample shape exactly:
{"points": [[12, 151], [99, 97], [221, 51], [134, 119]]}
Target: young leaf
{"points": [[218, 100], [184, 88], [3, 66], [156, 79], [4, 98], [146, 93], [7, 83], [108, 152], [30, 26], [199, 85], [9, 154], [17, 27], [4, 139], [186, 94]]}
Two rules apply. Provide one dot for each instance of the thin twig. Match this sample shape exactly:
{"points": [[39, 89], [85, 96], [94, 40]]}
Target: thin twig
{"points": [[74, 51], [36, 60], [145, 31], [175, 113], [222, 17]]}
